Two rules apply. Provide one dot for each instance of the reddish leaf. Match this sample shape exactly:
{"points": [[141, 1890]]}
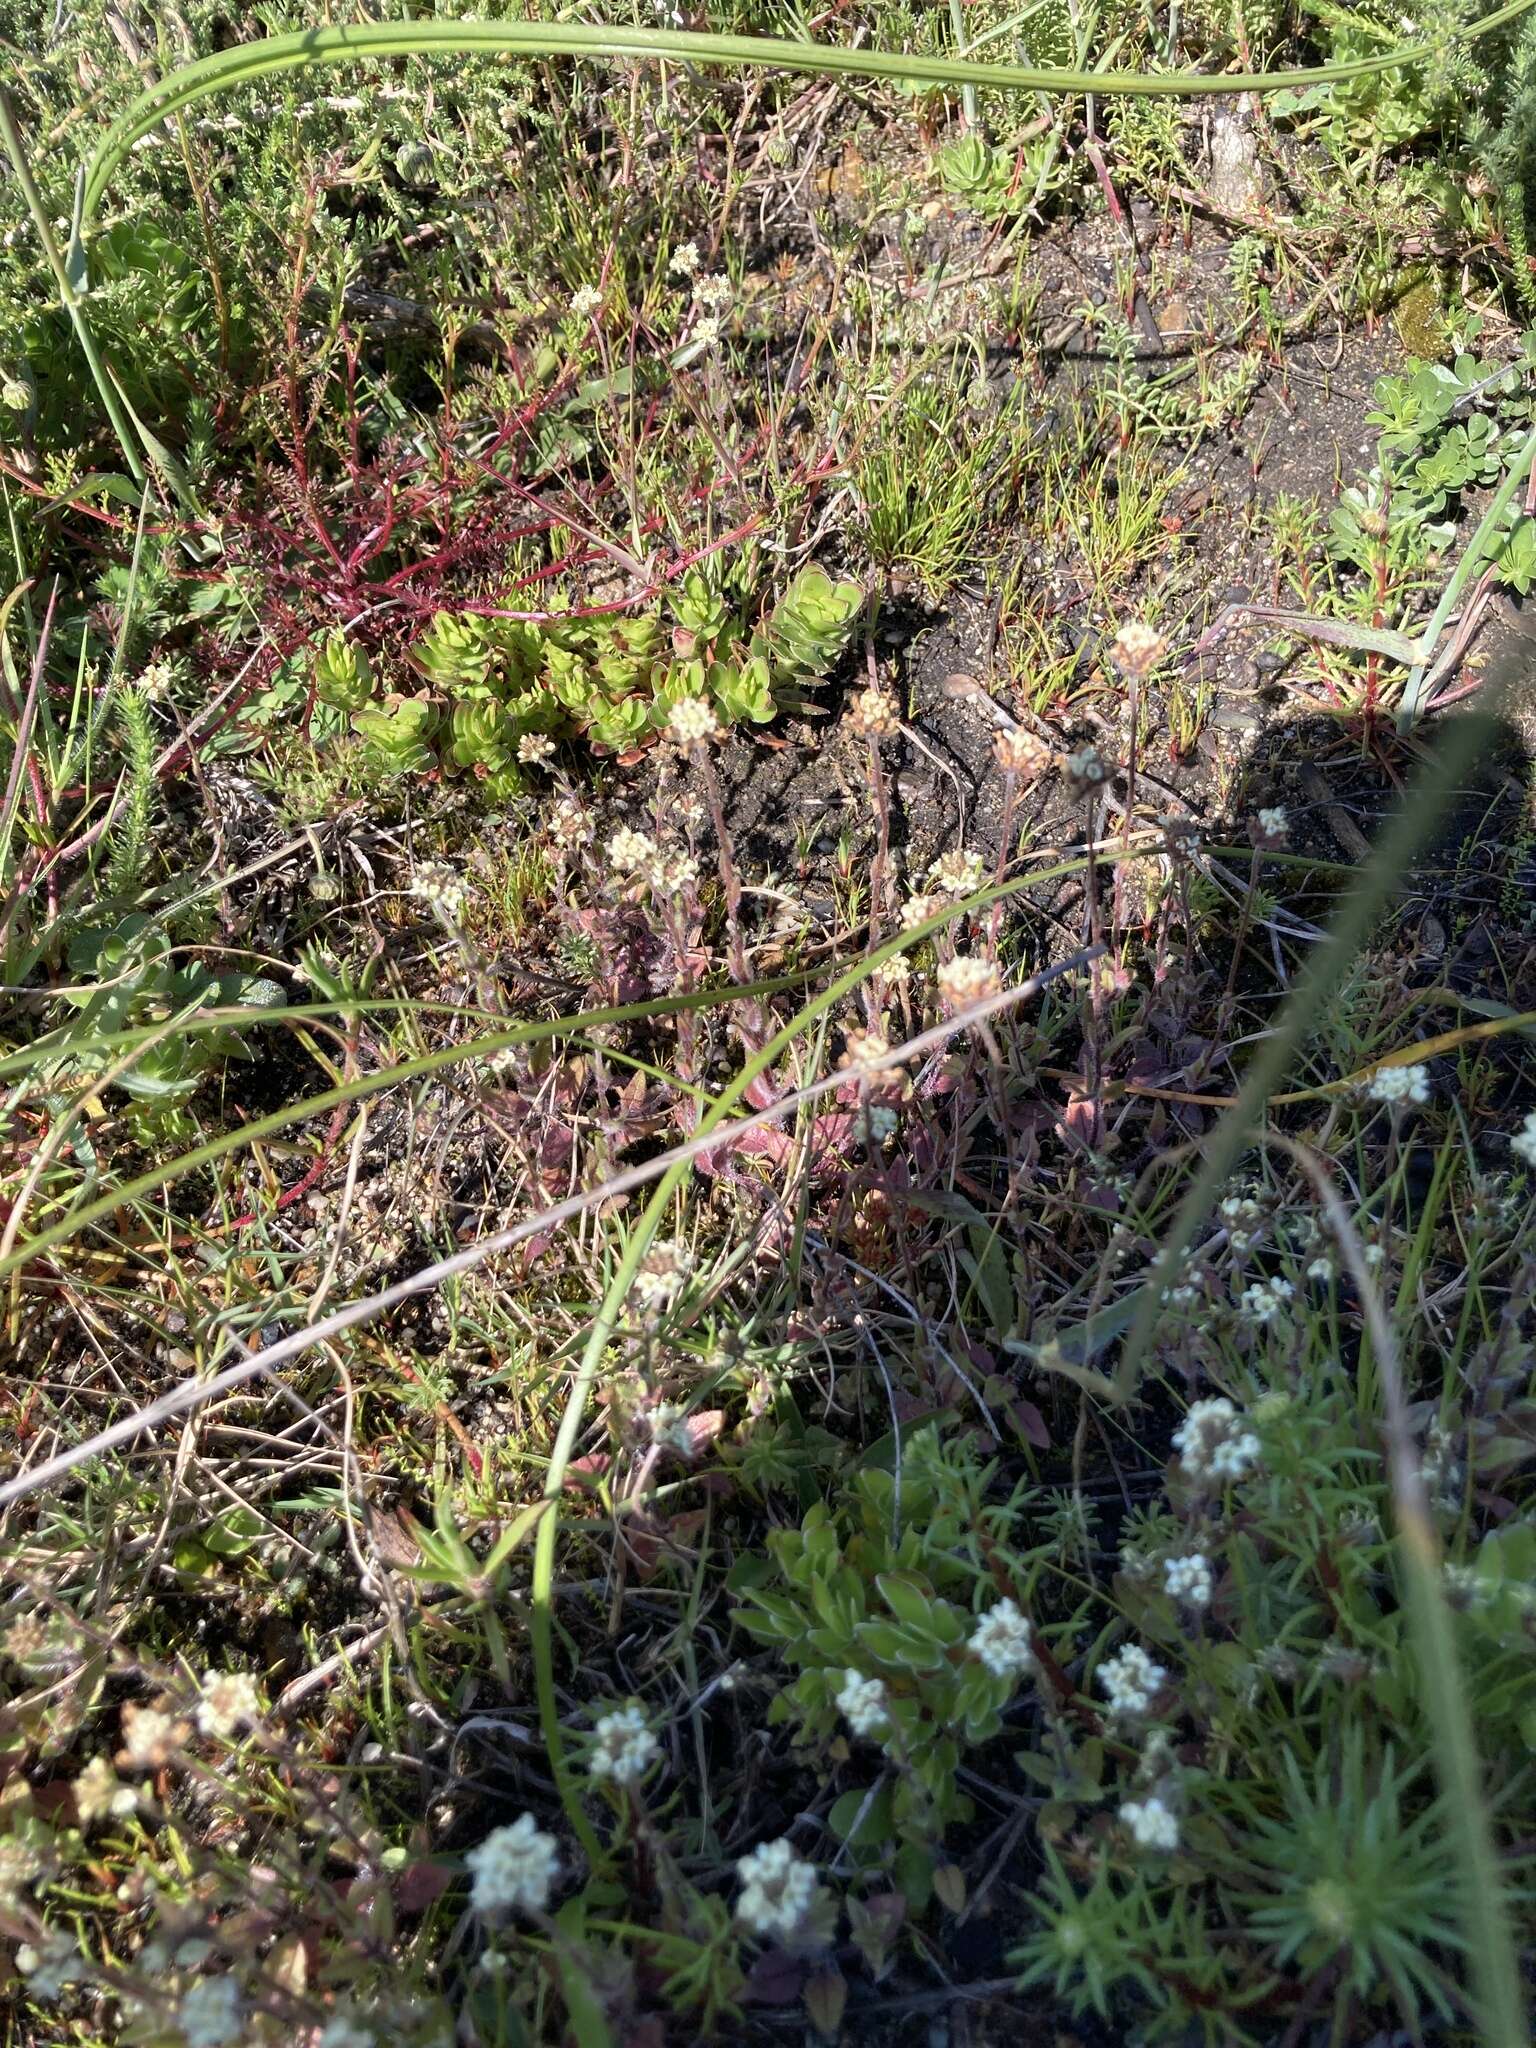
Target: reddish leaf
{"points": [[774, 1979], [419, 1884], [582, 1474]]}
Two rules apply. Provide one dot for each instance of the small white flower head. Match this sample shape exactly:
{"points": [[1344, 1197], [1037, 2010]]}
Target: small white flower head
{"points": [[440, 887], [629, 851], [865, 1051], [674, 874], [663, 1271], [1274, 822], [100, 1793], [513, 1869], [1136, 648], [585, 301], [1321, 1269], [862, 1703], [623, 1746], [1523, 1143], [706, 330], [778, 1890], [1003, 1640], [534, 748], [230, 1701], [963, 983], [151, 1738], [874, 713], [1152, 1824], [1398, 1085], [570, 824], [1189, 1579], [918, 909], [342, 2032], [14, 395], [1265, 1298], [1214, 1443], [210, 2013], [20, 1863], [956, 873], [685, 260], [715, 291], [1020, 753], [1131, 1680], [691, 721]]}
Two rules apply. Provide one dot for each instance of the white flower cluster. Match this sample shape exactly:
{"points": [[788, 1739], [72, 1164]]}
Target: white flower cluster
{"points": [[439, 886], [1153, 1825], [629, 850], [585, 301], [1189, 1579], [1003, 1640], [623, 1746], [1523, 1143], [918, 909], [1265, 1298], [150, 1737], [1244, 1219], [1398, 1085], [862, 1703], [20, 1863], [663, 1271], [715, 290], [1213, 1442], [671, 874], [569, 824], [1274, 823], [100, 1793], [513, 1868], [691, 720], [778, 1890], [230, 1701], [957, 873], [963, 983], [1131, 1680], [686, 260]]}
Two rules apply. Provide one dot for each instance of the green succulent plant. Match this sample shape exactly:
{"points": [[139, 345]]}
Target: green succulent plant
{"points": [[977, 171], [342, 673], [455, 652], [397, 733], [610, 680]]}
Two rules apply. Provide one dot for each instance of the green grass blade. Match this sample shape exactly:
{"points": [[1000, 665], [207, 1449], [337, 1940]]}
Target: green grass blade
{"points": [[308, 48]]}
